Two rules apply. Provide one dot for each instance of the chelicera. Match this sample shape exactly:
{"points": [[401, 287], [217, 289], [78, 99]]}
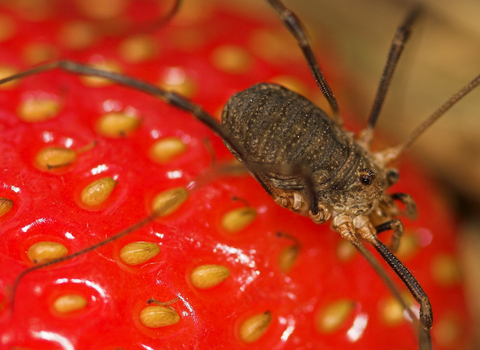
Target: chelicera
{"points": [[304, 159]]}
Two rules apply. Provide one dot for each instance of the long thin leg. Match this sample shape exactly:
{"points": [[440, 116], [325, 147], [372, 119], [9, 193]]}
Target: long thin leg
{"points": [[294, 25], [398, 43], [115, 237], [344, 226], [158, 23], [390, 154], [408, 202], [397, 227], [426, 315], [168, 96], [352, 238], [310, 188]]}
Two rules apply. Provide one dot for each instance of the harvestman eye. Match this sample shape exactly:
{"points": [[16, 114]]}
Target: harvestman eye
{"points": [[367, 176]]}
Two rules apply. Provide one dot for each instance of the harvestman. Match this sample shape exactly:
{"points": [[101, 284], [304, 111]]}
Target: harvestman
{"points": [[351, 194]]}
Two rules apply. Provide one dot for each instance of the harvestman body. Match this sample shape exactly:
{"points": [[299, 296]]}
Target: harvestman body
{"points": [[304, 159]]}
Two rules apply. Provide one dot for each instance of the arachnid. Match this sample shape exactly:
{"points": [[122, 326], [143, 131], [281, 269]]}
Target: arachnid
{"points": [[278, 135]]}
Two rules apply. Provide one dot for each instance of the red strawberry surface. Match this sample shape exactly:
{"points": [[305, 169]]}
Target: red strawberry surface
{"points": [[275, 280]]}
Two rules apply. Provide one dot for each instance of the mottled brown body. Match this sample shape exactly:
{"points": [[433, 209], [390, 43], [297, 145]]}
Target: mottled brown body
{"points": [[282, 130]]}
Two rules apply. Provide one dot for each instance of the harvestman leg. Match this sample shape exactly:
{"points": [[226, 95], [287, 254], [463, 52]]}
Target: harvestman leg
{"points": [[401, 36], [151, 26], [397, 227], [395, 224], [348, 232], [169, 97], [426, 314], [408, 202], [293, 24]]}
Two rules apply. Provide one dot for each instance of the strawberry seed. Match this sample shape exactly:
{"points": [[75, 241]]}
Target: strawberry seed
{"points": [[77, 35], [98, 191], [38, 109], [93, 82], [167, 202], [231, 59], [54, 157], [136, 253], [288, 257], [6, 71], [45, 251], [208, 276], [69, 302], [167, 149], [116, 124], [333, 316], [158, 316], [445, 270], [254, 327], [138, 48], [5, 205], [237, 219]]}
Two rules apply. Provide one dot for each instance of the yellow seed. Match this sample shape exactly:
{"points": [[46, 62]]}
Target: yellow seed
{"points": [[208, 276], [267, 45], [237, 219], [167, 202], [186, 88], [32, 10], [136, 253], [36, 53], [98, 191], [109, 66], [117, 125], [392, 312], [177, 80], [158, 316], [231, 59], [273, 46], [447, 331], [5, 205], [291, 83], [345, 250], [408, 246], [69, 302], [288, 257], [54, 157], [253, 328], [167, 149], [188, 39], [102, 9], [38, 109], [7, 28], [445, 270], [7, 71], [45, 251], [77, 35], [138, 48], [194, 12], [333, 316]]}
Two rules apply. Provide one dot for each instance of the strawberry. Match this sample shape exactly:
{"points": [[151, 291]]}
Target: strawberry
{"points": [[83, 159]]}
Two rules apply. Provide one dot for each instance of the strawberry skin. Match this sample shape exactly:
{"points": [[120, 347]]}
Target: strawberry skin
{"points": [[288, 274]]}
